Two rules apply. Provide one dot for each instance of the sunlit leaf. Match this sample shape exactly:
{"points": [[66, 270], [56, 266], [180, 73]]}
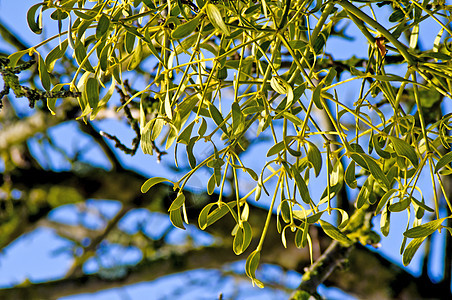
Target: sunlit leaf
{"points": [[424, 230], [411, 249], [335, 233], [176, 219], [216, 18], [443, 161], [178, 202], [151, 182], [402, 148]]}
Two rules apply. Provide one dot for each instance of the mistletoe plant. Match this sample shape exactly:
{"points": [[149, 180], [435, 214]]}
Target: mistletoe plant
{"points": [[222, 73]]}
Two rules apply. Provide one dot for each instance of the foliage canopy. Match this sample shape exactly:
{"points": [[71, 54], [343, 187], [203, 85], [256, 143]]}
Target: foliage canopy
{"points": [[228, 73]]}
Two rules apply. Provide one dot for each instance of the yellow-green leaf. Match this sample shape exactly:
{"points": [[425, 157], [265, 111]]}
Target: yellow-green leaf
{"points": [[178, 202], [215, 18], [176, 218], [445, 160], [151, 182], [185, 29], [92, 92], [33, 22], [102, 26], [402, 148], [335, 233], [43, 74], [424, 230], [276, 148], [411, 249], [314, 157]]}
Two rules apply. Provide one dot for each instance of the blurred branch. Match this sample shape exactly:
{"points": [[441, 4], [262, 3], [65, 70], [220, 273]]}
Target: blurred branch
{"points": [[90, 249], [11, 38], [89, 129]]}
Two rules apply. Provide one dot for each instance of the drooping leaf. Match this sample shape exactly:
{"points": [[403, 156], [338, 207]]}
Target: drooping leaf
{"points": [[335, 233], [443, 161], [301, 185], [176, 218], [314, 157], [411, 249], [92, 92], [252, 262], [151, 182], [238, 119], [102, 26], [185, 29], [56, 53], [350, 178], [178, 202], [33, 22], [216, 19], [44, 74], [424, 230], [402, 148]]}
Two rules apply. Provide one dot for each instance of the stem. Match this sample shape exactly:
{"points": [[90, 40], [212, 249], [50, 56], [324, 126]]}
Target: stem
{"points": [[384, 32], [269, 216]]}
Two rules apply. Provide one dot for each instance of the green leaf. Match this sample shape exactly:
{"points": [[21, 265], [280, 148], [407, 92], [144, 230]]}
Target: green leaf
{"points": [[176, 218], [43, 74], [156, 128], [396, 16], [252, 262], [301, 184], [15, 57], [211, 185], [178, 202], [215, 18], [102, 26], [238, 119], [33, 22], [314, 157], [151, 182], [242, 238], [203, 216], [279, 85], [369, 163], [364, 193], [424, 230], [335, 233], [402, 148], [385, 221], [276, 148], [217, 117], [384, 200], [191, 157], [401, 205], [316, 96], [411, 249], [92, 92], [315, 217], [285, 211], [56, 53], [80, 55], [422, 204], [294, 119], [350, 178], [237, 243], [185, 29], [207, 218], [185, 136], [136, 57], [443, 161]]}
